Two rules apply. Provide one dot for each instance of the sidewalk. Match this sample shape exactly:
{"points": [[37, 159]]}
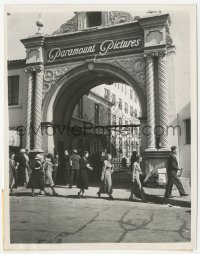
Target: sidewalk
{"points": [[69, 219]]}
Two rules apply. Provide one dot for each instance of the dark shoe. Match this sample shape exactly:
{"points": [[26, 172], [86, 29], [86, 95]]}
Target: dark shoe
{"points": [[83, 196], [70, 187], [168, 196], [79, 194], [184, 195], [111, 197], [55, 194], [99, 194]]}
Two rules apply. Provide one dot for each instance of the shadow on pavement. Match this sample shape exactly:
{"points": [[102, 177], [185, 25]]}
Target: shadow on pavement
{"points": [[161, 200]]}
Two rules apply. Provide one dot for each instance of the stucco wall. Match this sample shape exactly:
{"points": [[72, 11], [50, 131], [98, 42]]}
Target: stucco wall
{"points": [[17, 113]]}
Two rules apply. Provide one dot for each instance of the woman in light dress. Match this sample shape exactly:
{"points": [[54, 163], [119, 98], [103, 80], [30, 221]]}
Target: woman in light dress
{"points": [[137, 191], [106, 178], [13, 166], [48, 170]]}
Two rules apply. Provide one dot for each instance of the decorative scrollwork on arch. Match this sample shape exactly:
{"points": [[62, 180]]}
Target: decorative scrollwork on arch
{"points": [[51, 76], [135, 67]]}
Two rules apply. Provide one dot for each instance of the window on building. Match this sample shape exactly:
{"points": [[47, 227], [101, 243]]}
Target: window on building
{"points": [[126, 123], [114, 121], [13, 90], [122, 86], [136, 113], [120, 145], [131, 94], [131, 111], [120, 121], [188, 131], [135, 98], [120, 103], [106, 94], [113, 98], [125, 88], [93, 19], [80, 108], [126, 108], [96, 113]]}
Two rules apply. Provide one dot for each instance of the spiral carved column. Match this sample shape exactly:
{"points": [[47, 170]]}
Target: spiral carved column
{"points": [[38, 109], [150, 101], [163, 100], [29, 107]]}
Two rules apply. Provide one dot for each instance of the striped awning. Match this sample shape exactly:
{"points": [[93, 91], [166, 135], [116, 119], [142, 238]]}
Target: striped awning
{"points": [[14, 138]]}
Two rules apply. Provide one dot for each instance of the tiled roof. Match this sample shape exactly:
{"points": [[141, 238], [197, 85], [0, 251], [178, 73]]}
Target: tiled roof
{"points": [[15, 64]]}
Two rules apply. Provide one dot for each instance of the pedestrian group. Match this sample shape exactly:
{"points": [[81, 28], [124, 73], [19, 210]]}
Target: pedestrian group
{"points": [[43, 172]]}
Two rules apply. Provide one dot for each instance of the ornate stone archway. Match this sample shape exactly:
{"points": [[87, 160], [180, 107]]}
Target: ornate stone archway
{"points": [[135, 53]]}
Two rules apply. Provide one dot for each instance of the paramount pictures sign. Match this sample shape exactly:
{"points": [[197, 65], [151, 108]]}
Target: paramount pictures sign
{"points": [[101, 49]]}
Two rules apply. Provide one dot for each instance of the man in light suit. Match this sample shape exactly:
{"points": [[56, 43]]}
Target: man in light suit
{"points": [[172, 175]]}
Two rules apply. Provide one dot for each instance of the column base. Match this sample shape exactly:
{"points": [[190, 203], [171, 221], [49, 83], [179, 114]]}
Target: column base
{"points": [[156, 159], [150, 150]]}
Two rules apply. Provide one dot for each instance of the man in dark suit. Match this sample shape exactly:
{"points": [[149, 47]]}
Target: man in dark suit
{"points": [[172, 175]]}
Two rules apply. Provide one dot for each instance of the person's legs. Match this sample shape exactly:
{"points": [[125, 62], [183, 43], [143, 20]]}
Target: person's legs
{"points": [[53, 190], [77, 175], [179, 186], [33, 192], [169, 186], [71, 178]]}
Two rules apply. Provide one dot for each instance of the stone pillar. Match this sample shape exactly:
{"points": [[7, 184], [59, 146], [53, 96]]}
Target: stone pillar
{"points": [[29, 107], [163, 100], [150, 103], [38, 108]]}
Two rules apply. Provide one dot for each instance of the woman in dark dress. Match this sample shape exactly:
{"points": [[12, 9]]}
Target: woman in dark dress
{"points": [[83, 174], [37, 177]]}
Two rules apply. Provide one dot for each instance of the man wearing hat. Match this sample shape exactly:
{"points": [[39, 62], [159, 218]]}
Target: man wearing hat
{"points": [[22, 168], [74, 163], [172, 175]]}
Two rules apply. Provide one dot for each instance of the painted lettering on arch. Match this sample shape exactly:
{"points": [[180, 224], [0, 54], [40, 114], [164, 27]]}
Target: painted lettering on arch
{"points": [[100, 49]]}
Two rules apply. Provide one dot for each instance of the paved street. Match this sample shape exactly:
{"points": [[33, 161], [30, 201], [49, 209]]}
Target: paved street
{"points": [[67, 219]]}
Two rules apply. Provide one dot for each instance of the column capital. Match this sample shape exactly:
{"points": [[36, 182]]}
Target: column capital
{"points": [[34, 68], [155, 53]]}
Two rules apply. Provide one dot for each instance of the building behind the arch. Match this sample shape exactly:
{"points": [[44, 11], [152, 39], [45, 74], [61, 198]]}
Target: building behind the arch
{"points": [[101, 45]]}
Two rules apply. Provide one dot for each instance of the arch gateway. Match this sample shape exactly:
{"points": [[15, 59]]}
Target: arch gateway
{"points": [[63, 66]]}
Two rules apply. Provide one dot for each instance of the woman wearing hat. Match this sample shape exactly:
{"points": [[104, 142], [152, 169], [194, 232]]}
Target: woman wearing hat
{"points": [[48, 169], [37, 177]]}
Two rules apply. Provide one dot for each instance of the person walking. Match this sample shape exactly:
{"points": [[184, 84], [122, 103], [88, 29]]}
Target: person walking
{"points": [[22, 169], [13, 166], [137, 191], [48, 169], [106, 178], [27, 170], [83, 174], [67, 167], [172, 170], [55, 161], [36, 180], [74, 163]]}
